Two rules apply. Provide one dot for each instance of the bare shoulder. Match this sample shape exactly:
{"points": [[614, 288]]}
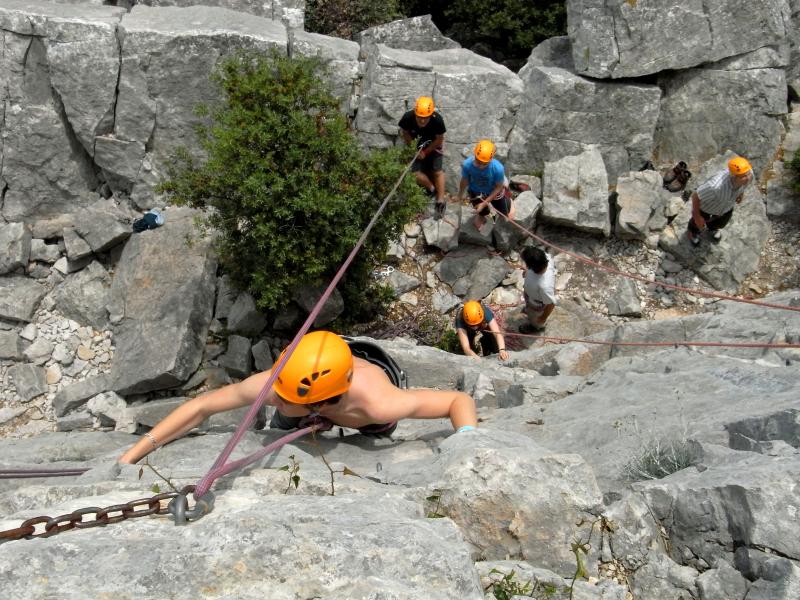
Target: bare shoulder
{"points": [[249, 389], [382, 401]]}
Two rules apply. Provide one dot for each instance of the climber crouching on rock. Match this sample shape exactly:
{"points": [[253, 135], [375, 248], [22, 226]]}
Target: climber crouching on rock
{"points": [[714, 200], [484, 179], [425, 127], [474, 317], [321, 378]]}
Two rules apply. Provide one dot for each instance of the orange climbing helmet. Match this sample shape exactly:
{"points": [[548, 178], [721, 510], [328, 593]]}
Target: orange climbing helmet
{"points": [[320, 368], [484, 150], [739, 166], [424, 106], [473, 313]]}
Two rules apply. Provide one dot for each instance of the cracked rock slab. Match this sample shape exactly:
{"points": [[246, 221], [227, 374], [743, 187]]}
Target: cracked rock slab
{"points": [[636, 38]]}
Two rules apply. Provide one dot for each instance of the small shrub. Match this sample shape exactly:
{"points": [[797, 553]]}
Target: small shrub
{"points": [[343, 18], [506, 31], [794, 167], [287, 186], [504, 586], [449, 342], [660, 457]]}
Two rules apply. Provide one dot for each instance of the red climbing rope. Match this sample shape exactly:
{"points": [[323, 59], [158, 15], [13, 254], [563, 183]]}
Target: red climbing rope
{"points": [[671, 344], [598, 265]]}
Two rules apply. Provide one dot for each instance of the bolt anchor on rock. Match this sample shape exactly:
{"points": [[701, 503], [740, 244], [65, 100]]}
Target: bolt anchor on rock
{"points": [[179, 506]]}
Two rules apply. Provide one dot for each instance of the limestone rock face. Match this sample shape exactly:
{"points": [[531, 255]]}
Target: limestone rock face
{"points": [[19, 297], [84, 296], [476, 97], [506, 236], [641, 202], [735, 103], [485, 469], [576, 192], [59, 67], [291, 12], [333, 542], [562, 113], [724, 265], [782, 200], [167, 56], [162, 307], [340, 56], [417, 33], [738, 499], [15, 247], [553, 52], [631, 39], [793, 42]]}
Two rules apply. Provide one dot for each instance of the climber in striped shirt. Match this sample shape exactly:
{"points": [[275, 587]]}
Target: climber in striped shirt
{"points": [[714, 200]]}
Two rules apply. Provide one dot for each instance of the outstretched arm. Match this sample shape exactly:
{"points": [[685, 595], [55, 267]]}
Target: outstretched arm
{"points": [[698, 218], [463, 340], [193, 412], [426, 403], [501, 340]]}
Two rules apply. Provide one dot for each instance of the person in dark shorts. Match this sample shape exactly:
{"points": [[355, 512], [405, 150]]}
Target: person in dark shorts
{"points": [[714, 200], [425, 127], [483, 177], [474, 317]]}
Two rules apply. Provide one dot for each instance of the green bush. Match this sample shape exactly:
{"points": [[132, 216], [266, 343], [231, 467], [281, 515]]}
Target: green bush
{"points": [[505, 31], [343, 18], [449, 342], [794, 167], [285, 183], [661, 457]]}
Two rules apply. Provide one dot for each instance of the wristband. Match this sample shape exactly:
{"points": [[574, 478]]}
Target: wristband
{"points": [[464, 428], [152, 439]]}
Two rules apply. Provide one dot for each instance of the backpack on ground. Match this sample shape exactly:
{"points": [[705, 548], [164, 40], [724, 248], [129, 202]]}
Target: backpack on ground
{"points": [[150, 220]]}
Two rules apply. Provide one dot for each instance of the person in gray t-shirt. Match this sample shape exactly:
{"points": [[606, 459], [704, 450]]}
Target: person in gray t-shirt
{"points": [[714, 200]]}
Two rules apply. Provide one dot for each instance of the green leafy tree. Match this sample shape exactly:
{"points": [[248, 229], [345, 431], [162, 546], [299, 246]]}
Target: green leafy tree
{"points": [[794, 167], [286, 184], [505, 30], [343, 18]]}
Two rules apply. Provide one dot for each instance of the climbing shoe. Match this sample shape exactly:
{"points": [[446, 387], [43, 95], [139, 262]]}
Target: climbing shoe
{"points": [[716, 236]]}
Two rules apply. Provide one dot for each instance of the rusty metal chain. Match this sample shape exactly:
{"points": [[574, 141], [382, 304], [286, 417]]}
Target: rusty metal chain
{"points": [[134, 509]]}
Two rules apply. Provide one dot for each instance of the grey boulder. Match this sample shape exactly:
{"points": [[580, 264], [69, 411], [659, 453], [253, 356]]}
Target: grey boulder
{"points": [[162, 307], [575, 193], [632, 39], [641, 204], [562, 114], [19, 298], [84, 296], [15, 247], [699, 115]]}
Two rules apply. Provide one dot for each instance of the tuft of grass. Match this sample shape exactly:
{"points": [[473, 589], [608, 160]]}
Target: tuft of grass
{"points": [[506, 587], [660, 457]]}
